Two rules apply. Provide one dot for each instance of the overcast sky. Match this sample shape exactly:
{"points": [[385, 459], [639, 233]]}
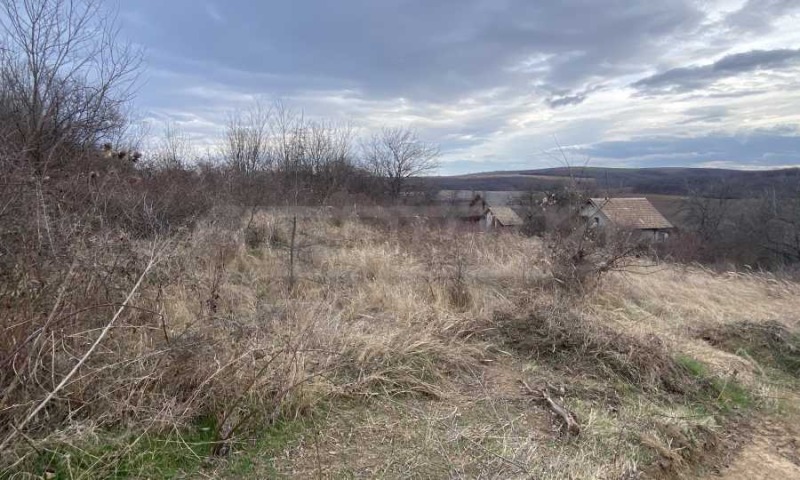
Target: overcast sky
{"points": [[494, 82]]}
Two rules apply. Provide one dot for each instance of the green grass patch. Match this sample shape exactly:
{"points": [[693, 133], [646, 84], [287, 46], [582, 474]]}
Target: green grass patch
{"points": [[162, 455], [726, 394], [732, 395], [692, 365], [172, 454], [259, 459]]}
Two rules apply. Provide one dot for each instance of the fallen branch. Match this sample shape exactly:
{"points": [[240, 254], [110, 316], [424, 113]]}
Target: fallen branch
{"points": [[566, 416]]}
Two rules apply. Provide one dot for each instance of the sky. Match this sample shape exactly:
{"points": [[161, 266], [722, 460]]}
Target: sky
{"points": [[498, 84]]}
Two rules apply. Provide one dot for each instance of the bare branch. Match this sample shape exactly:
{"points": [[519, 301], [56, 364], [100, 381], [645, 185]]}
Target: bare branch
{"points": [[398, 154]]}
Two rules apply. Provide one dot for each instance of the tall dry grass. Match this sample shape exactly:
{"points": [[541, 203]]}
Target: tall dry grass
{"points": [[380, 313], [212, 328]]}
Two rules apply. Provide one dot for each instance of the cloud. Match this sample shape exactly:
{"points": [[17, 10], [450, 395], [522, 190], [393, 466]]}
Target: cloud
{"points": [[213, 12], [757, 16], [686, 79], [566, 100], [708, 114], [562, 98], [492, 81], [416, 48]]}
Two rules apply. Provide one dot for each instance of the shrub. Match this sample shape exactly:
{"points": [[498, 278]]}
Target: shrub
{"points": [[256, 236], [558, 336]]}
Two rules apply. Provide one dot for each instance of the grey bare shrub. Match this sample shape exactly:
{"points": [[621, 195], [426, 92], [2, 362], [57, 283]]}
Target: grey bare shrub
{"points": [[79, 215], [578, 254], [66, 79]]}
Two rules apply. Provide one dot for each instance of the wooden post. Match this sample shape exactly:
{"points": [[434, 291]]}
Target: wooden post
{"points": [[291, 254]]}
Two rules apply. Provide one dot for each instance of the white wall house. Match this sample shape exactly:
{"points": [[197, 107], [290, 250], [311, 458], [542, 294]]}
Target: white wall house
{"points": [[636, 214]]}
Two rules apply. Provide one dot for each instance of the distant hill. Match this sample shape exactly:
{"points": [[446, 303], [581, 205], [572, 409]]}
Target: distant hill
{"points": [[494, 181], [666, 181]]}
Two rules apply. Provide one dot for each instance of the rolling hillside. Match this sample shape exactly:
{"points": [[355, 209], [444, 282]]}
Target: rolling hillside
{"points": [[666, 181]]}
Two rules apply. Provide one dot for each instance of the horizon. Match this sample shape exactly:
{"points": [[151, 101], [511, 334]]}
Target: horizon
{"points": [[665, 167], [498, 85]]}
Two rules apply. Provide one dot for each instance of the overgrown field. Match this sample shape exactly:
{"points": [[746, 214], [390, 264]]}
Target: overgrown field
{"points": [[340, 346]]}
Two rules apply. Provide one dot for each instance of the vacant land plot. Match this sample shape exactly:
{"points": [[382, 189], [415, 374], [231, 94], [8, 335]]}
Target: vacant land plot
{"points": [[326, 347]]}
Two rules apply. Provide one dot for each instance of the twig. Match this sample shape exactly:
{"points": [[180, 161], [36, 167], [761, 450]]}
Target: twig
{"points": [[566, 416]]}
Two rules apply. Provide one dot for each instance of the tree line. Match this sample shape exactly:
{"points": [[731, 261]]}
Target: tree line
{"points": [[760, 229], [74, 167], [65, 103]]}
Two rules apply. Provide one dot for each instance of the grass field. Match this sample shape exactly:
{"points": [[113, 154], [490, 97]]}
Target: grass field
{"points": [[423, 351]]}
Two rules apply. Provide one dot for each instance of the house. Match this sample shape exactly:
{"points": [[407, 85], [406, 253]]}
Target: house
{"points": [[488, 216], [636, 214], [495, 218]]}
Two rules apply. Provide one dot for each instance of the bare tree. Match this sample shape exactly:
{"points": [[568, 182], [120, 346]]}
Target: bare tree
{"points": [[327, 143], [286, 130], [779, 220], [172, 149], [706, 211], [65, 76], [312, 159], [398, 154], [246, 140]]}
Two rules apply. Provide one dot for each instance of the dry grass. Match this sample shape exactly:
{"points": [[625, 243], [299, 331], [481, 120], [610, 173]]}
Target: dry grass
{"points": [[675, 301], [414, 340]]}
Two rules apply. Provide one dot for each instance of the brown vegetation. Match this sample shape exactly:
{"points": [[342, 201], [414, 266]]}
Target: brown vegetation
{"points": [[376, 315], [144, 298]]}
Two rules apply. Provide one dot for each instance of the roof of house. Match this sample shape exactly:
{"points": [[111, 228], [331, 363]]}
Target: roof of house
{"points": [[636, 213], [506, 216]]}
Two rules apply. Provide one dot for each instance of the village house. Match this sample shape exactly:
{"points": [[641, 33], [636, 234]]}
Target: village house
{"points": [[636, 214], [491, 217], [500, 218]]}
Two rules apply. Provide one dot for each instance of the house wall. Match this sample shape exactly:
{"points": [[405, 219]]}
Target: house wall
{"points": [[654, 235], [594, 216], [487, 221]]}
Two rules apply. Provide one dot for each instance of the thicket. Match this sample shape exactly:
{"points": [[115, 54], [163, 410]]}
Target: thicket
{"points": [[94, 229]]}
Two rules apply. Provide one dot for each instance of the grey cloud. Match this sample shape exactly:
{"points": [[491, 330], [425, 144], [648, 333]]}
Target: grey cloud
{"points": [[472, 72], [412, 48], [556, 102], [757, 16], [560, 98], [709, 114], [737, 94], [684, 79]]}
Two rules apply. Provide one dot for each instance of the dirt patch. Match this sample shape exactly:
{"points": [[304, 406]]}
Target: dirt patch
{"points": [[772, 453], [694, 452]]}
